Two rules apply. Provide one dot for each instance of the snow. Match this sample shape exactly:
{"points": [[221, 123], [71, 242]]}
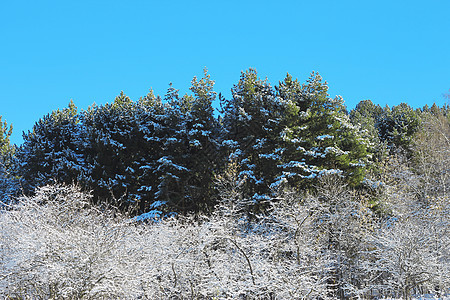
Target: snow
{"points": [[278, 183], [144, 188], [325, 172], [259, 143], [172, 140], [272, 156], [259, 197], [166, 161], [230, 143], [151, 215], [196, 143], [157, 203], [323, 137], [335, 151]]}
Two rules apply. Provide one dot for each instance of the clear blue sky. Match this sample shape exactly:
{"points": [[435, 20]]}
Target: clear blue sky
{"points": [[88, 51]]}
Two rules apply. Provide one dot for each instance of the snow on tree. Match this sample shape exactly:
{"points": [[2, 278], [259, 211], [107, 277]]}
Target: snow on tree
{"points": [[252, 125], [51, 151], [398, 125], [115, 155], [411, 245], [318, 136], [57, 245], [170, 167], [431, 155], [326, 245], [190, 149], [6, 149], [151, 122], [203, 157], [9, 183], [411, 254], [366, 116]]}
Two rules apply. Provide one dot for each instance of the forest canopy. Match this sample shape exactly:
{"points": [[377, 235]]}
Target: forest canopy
{"points": [[284, 194], [164, 153]]}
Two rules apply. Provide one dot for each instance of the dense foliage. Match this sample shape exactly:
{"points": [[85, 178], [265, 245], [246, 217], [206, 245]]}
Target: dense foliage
{"points": [[282, 195], [162, 154], [9, 183]]}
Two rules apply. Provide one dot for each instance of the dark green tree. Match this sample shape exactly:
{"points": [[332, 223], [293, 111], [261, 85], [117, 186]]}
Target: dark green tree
{"points": [[152, 132], [252, 123], [366, 115], [51, 151], [191, 149], [9, 183], [398, 125], [6, 149], [203, 156], [170, 166], [113, 151]]}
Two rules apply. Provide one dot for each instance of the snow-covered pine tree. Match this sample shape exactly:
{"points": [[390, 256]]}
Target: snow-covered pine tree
{"points": [[51, 151], [203, 157], [318, 136], [365, 116], [191, 151], [112, 151], [252, 123], [170, 167], [6, 149], [397, 126], [151, 126]]}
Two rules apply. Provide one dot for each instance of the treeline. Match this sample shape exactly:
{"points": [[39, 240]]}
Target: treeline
{"points": [[165, 153], [285, 194]]}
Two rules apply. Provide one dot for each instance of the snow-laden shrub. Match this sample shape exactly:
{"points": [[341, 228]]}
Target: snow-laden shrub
{"points": [[412, 254], [56, 245]]}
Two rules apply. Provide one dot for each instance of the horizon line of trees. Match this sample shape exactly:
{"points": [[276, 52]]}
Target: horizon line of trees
{"points": [[284, 195], [163, 154]]}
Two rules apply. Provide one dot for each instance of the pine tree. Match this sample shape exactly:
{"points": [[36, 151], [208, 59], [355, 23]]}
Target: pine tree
{"points": [[397, 126], [112, 151], [170, 170], [252, 123], [9, 183], [6, 149], [50, 151], [203, 155], [151, 118], [366, 116], [318, 136], [186, 171]]}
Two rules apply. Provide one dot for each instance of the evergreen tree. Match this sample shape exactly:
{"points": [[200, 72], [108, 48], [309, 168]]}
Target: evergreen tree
{"points": [[203, 155], [6, 149], [170, 169], [366, 116], [398, 125], [190, 148], [252, 124], [112, 151], [151, 118], [9, 183], [50, 151], [318, 136]]}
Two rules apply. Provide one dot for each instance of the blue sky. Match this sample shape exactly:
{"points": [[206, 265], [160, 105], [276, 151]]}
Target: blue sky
{"points": [[88, 51]]}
